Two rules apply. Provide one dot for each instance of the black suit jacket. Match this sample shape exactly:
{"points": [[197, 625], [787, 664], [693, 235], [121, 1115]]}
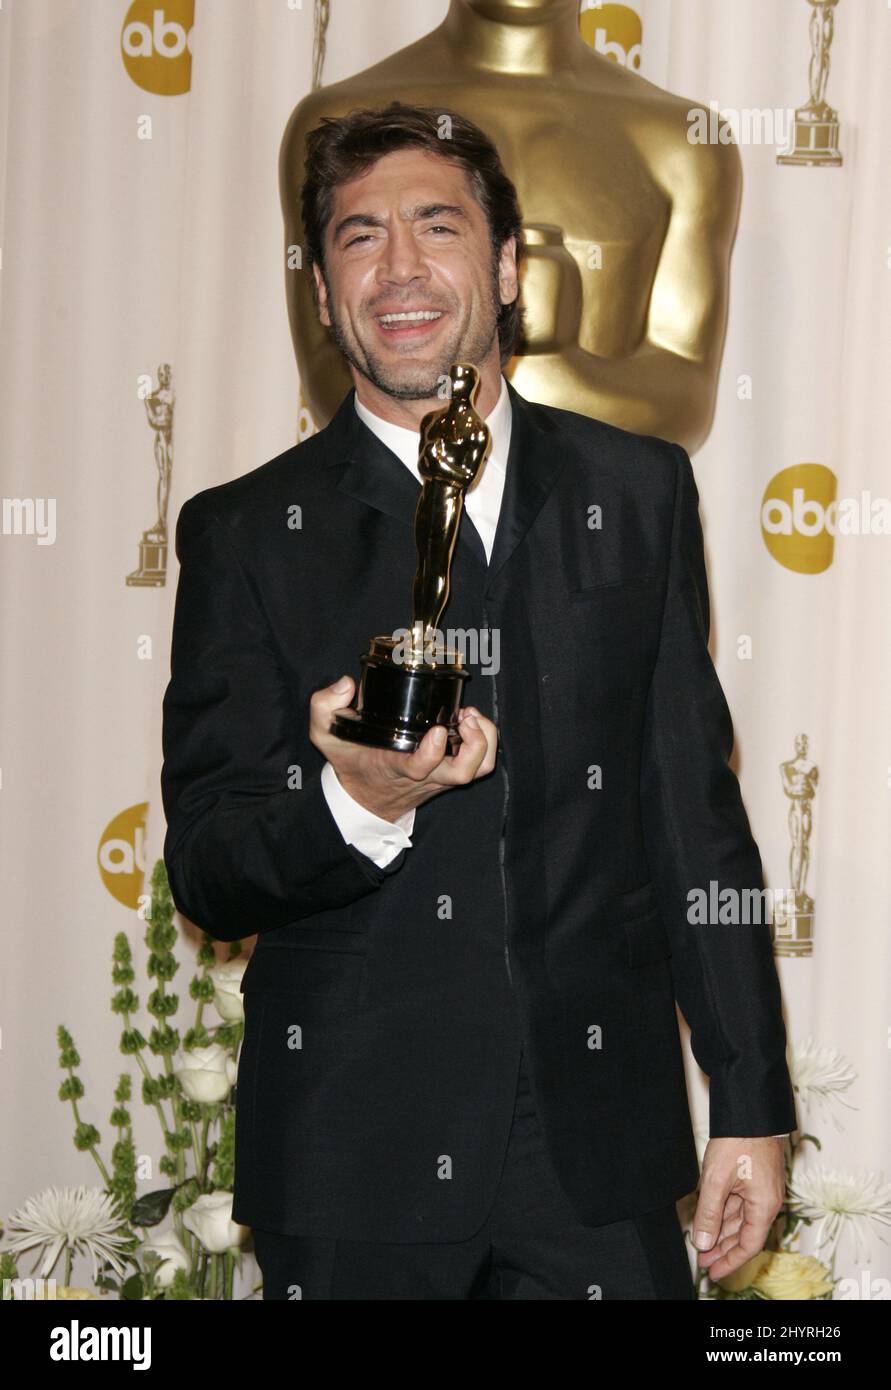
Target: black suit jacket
{"points": [[545, 902]]}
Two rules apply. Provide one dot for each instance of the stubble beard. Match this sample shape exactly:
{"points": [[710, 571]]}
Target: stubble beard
{"points": [[411, 380]]}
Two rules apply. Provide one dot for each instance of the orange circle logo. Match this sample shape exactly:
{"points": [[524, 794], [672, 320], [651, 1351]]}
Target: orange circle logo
{"points": [[798, 517], [613, 31], [156, 45], [121, 855]]}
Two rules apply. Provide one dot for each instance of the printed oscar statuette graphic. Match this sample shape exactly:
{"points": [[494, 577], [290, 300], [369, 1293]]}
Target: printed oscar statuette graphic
{"points": [[159, 407], [410, 683], [793, 933], [815, 140]]}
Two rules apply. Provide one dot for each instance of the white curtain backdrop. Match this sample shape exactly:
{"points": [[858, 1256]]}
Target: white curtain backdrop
{"points": [[121, 253]]}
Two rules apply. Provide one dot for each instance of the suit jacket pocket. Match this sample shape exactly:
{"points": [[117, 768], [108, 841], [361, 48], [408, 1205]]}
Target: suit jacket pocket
{"points": [[596, 586]]}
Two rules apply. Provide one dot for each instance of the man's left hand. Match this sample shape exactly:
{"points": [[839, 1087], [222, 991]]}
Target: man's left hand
{"points": [[742, 1189]]}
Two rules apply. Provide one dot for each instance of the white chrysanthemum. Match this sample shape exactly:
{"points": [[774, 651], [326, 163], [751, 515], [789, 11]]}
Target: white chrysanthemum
{"points": [[839, 1202], [819, 1075], [84, 1220]]}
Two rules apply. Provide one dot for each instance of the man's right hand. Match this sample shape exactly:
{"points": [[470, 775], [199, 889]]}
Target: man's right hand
{"points": [[390, 783]]}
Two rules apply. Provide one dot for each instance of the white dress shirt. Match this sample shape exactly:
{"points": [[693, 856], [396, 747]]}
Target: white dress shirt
{"points": [[379, 839]]}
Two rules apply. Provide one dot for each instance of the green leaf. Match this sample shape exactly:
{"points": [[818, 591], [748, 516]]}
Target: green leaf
{"points": [[152, 1207]]}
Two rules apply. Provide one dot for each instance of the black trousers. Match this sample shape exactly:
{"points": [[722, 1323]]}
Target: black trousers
{"points": [[531, 1245]]}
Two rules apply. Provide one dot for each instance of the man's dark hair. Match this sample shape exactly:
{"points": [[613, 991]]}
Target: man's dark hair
{"points": [[342, 147]]}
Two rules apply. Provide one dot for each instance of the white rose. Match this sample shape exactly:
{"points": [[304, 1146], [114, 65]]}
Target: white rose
{"points": [[228, 998], [210, 1219], [207, 1074], [168, 1245]]}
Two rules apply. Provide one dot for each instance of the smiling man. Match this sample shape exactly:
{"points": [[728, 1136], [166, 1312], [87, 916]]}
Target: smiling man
{"points": [[401, 330], [462, 1074]]}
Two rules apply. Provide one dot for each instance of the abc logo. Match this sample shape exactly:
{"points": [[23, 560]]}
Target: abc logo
{"points": [[798, 517], [613, 31], [156, 45], [121, 855]]}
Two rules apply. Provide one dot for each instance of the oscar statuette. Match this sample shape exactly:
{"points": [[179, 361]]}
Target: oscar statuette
{"points": [[409, 683]]}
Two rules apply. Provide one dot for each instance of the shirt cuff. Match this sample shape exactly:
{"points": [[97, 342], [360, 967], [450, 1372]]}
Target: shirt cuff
{"points": [[381, 840]]}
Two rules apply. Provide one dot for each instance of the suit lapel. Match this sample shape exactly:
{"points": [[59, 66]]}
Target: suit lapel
{"points": [[533, 467], [373, 474]]}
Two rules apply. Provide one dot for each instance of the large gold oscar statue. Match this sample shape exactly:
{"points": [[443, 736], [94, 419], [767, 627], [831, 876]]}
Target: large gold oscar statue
{"points": [[629, 225]]}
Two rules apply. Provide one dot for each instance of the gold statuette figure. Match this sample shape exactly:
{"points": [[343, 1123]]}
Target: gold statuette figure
{"points": [[409, 684], [454, 446]]}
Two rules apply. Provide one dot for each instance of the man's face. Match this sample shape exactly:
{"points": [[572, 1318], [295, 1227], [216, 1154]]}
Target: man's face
{"points": [[409, 237]]}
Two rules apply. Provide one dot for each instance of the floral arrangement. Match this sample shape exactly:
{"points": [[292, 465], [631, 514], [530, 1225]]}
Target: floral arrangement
{"points": [[835, 1203], [177, 1241]]}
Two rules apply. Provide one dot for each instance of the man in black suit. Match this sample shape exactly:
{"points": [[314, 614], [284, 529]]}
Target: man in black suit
{"points": [[461, 1074]]}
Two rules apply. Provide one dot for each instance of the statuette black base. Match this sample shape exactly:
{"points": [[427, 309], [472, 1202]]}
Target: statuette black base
{"points": [[397, 701]]}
